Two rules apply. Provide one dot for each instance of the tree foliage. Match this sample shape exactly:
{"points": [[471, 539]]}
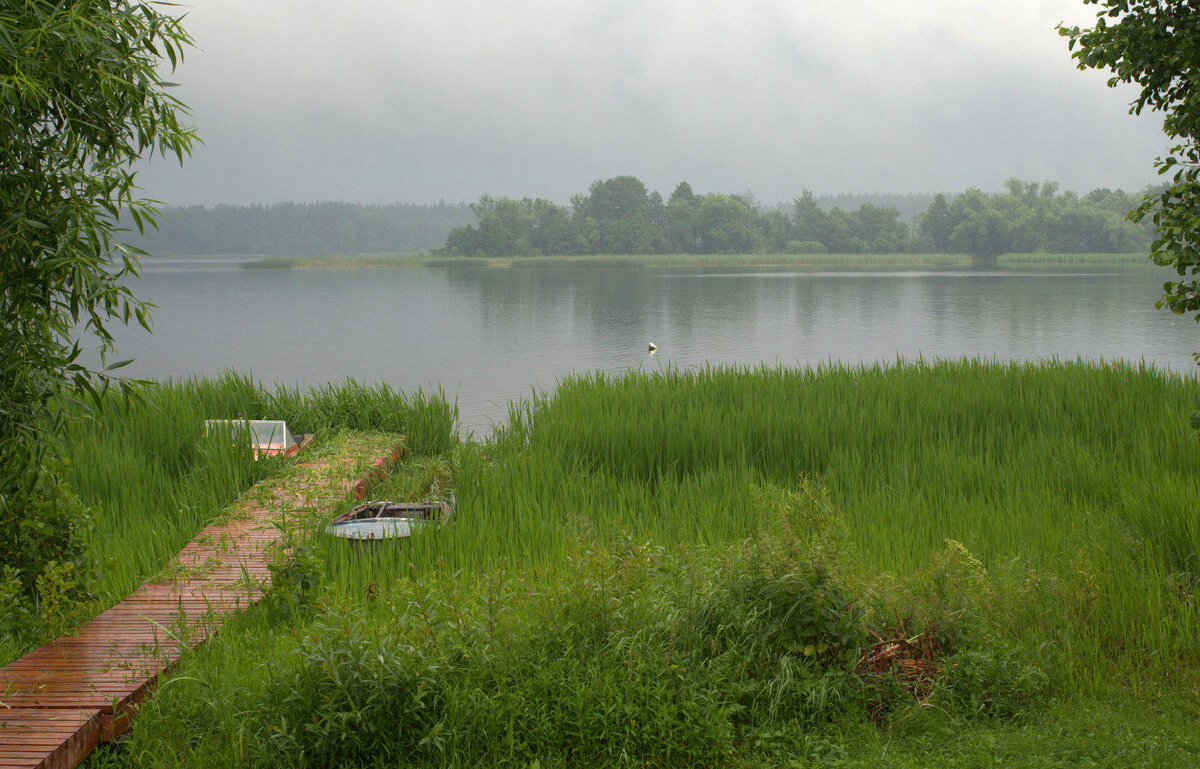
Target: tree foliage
{"points": [[81, 99], [620, 216], [1155, 44]]}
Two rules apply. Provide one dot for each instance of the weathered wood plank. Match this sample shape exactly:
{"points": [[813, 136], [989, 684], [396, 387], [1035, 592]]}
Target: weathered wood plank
{"points": [[59, 739], [60, 700]]}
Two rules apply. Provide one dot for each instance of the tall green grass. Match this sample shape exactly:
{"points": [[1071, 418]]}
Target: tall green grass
{"points": [[153, 479], [1075, 485], [679, 567]]}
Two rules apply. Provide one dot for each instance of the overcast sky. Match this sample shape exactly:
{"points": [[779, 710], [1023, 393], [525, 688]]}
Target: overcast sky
{"points": [[396, 100]]}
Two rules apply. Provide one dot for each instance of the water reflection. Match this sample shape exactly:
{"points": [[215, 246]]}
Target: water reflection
{"points": [[491, 335]]}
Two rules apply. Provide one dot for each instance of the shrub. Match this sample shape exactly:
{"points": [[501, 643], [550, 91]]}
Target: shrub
{"points": [[296, 570], [995, 682], [806, 247], [351, 697], [45, 524]]}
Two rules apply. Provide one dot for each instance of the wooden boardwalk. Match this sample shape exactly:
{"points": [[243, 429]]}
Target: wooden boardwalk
{"points": [[58, 702]]}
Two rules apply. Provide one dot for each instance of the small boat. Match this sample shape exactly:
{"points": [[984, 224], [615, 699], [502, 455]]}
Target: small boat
{"points": [[266, 436], [390, 520]]}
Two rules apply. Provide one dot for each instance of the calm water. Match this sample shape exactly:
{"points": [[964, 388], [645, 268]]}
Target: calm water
{"points": [[489, 336]]}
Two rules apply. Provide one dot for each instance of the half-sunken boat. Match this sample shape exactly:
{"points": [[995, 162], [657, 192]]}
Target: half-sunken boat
{"points": [[390, 520]]}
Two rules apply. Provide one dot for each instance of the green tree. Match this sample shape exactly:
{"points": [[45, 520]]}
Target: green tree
{"points": [[681, 220], [624, 213], [723, 223], [935, 225], [81, 98], [683, 191], [882, 229], [506, 228], [809, 222], [553, 230], [979, 228], [776, 228], [1156, 45]]}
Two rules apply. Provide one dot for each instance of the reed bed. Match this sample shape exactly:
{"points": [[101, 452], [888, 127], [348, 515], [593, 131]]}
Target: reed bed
{"points": [[1086, 475], [1074, 485], [686, 567], [156, 481], [1051, 259], [153, 479]]}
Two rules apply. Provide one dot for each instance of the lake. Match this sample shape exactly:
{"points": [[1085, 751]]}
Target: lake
{"points": [[489, 336]]}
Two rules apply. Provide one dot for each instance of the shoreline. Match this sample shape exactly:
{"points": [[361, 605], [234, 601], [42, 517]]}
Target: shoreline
{"points": [[392, 261]]}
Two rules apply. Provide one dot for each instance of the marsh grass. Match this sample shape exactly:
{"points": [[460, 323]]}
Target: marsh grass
{"points": [[1068, 489], [153, 479], [156, 480], [1082, 478], [1043, 259], [680, 567]]}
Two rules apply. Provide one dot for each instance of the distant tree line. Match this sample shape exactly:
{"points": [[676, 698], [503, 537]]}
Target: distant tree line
{"points": [[305, 229], [621, 216], [1028, 218]]}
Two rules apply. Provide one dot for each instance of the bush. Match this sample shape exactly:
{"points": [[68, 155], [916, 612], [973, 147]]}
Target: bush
{"points": [[16, 613], [996, 682], [806, 247], [350, 697], [44, 524]]}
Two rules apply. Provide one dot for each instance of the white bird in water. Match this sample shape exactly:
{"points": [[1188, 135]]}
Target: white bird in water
{"points": [[653, 348]]}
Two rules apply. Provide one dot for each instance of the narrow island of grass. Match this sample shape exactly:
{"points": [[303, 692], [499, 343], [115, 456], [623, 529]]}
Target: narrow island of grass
{"points": [[785, 261]]}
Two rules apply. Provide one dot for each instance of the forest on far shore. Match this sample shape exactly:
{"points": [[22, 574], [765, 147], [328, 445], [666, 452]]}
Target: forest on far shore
{"points": [[621, 216]]}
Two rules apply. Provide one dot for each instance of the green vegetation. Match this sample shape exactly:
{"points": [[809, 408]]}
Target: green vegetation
{"points": [[707, 567], [787, 261], [344, 261], [1153, 44], [620, 216], [152, 479], [82, 97]]}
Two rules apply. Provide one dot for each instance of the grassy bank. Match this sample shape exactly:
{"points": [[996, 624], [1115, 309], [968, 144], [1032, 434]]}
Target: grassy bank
{"points": [[695, 568], [356, 261], [153, 479], [689, 260]]}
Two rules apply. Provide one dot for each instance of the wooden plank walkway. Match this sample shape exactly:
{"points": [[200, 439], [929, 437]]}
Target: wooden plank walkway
{"points": [[58, 702]]}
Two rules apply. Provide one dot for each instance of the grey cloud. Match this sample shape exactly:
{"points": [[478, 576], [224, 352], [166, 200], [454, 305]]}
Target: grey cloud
{"points": [[383, 101]]}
